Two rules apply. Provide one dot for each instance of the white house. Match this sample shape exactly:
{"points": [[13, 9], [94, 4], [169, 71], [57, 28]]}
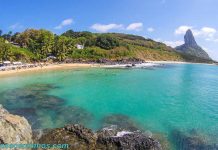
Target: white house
{"points": [[78, 46], [6, 63], [17, 63]]}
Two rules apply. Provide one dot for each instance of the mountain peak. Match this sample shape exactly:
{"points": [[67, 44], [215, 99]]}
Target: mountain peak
{"points": [[189, 39], [191, 47]]}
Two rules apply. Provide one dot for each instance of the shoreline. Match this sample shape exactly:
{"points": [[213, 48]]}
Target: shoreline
{"points": [[46, 68], [180, 62], [79, 65]]}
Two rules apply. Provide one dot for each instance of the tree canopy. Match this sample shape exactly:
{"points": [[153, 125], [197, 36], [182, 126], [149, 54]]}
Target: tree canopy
{"points": [[107, 42]]}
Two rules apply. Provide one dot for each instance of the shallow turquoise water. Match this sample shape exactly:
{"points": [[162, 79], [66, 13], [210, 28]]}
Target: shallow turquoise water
{"points": [[182, 96]]}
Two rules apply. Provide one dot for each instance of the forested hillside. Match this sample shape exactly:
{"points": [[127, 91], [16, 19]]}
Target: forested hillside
{"points": [[36, 45]]}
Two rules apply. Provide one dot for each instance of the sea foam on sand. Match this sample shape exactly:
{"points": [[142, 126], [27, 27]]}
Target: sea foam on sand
{"points": [[142, 65]]}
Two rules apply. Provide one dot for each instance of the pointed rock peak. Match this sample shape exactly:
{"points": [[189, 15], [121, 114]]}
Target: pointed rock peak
{"points": [[189, 38]]}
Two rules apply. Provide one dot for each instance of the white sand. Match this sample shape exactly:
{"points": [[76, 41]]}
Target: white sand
{"points": [[78, 65], [46, 68]]}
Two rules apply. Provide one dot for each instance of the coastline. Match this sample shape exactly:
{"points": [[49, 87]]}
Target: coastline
{"points": [[180, 62], [79, 65], [47, 68]]}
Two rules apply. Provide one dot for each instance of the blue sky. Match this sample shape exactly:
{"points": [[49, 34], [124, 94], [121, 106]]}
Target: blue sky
{"points": [[162, 20]]}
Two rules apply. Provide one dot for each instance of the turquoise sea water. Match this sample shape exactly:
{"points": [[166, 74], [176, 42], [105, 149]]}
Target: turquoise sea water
{"points": [[177, 96]]}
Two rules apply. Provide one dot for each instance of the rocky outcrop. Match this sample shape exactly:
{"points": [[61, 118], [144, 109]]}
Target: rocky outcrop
{"points": [[117, 139], [81, 138], [191, 47], [14, 129], [77, 136]]}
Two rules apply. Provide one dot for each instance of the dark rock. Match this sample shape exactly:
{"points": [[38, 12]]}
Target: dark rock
{"points": [[120, 61], [121, 121], [191, 47], [192, 141], [82, 138], [78, 137], [1, 141], [189, 39], [131, 141]]}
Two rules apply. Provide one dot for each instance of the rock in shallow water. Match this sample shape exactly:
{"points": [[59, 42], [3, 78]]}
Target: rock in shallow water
{"points": [[81, 138], [121, 121], [41, 106], [72, 115], [117, 139], [32, 96], [14, 129], [192, 141]]}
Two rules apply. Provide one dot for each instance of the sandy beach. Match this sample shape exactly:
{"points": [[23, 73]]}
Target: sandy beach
{"points": [[46, 68], [78, 65]]}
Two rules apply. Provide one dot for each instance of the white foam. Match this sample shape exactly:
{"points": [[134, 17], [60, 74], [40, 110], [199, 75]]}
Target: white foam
{"points": [[142, 65], [117, 66], [146, 65], [122, 133], [110, 128]]}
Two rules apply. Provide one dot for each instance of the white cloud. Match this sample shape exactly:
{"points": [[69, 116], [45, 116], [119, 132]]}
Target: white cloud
{"points": [[204, 31], [150, 29], [207, 33], [64, 23], [182, 29], [106, 27], [16, 26], [138, 26], [171, 43], [135, 26]]}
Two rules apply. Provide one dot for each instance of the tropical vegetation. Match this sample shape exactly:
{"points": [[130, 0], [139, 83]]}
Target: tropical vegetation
{"points": [[36, 45]]}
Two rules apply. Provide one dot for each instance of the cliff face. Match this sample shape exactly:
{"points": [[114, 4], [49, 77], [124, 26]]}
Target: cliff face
{"points": [[191, 47]]}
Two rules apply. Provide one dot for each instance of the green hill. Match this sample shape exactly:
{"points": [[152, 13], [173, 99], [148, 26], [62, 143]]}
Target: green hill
{"points": [[36, 45]]}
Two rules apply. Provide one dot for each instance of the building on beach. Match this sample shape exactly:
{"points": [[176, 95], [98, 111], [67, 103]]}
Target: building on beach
{"points": [[6, 63]]}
